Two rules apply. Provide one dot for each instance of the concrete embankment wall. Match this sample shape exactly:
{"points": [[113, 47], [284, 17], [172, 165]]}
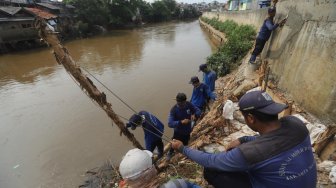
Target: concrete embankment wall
{"points": [[302, 53], [218, 36]]}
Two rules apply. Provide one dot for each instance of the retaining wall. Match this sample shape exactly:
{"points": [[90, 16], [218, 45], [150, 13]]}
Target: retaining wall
{"points": [[302, 53]]}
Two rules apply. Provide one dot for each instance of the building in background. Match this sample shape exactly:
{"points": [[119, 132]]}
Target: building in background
{"points": [[16, 29], [17, 3], [16, 25], [17, 21], [247, 4]]}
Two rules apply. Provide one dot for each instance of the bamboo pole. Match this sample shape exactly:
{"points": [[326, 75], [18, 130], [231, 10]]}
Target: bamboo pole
{"points": [[63, 57]]}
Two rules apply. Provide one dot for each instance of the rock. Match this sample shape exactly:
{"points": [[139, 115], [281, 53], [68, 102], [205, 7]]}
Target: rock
{"points": [[243, 88]]}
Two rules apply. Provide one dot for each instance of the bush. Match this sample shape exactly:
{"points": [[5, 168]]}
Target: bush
{"points": [[230, 53]]}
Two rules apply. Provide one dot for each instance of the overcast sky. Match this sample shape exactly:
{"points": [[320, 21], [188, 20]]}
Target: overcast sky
{"points": [[194, 1]]}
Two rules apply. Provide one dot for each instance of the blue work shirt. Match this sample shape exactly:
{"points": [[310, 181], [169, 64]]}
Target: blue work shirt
{"points": [[200, 95], [177, 114], [153, 128], [270, 159], [209, 79], [266, 29]]}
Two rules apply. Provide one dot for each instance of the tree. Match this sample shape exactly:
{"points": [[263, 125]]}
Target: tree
{"points": [[171, 5], [121, 12], [160, 11], [93, 12]]}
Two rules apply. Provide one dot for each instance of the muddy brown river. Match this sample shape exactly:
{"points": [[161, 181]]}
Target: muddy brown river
{"points": [[51, 132]]}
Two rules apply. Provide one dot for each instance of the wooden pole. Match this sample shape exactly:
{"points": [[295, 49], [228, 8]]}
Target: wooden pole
{"points": [[62, 57]]}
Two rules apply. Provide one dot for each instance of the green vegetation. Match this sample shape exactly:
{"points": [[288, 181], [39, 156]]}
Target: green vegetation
{"points": [[239, 40], [116, 13]]}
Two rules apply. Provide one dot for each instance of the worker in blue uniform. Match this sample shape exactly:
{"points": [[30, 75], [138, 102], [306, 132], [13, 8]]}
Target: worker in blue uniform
{"points": [[209, 76], [180, 119], [153, 130], [201, 94], [265, 33], [281, 156]]}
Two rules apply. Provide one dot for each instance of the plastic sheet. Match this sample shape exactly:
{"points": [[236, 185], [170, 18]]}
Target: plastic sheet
{"points": [[315, 129], [228, 110]]}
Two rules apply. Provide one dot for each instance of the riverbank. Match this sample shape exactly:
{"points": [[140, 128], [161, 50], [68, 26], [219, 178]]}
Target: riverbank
{"points": [[213, 133]]}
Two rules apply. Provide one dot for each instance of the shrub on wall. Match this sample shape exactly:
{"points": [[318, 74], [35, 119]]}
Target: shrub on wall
{"points": [[230, 53]]}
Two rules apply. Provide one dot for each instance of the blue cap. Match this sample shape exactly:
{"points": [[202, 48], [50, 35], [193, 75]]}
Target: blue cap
{"points": [[134, 120], [203, 67], [181, 97], [260, 101], [193, 80]]}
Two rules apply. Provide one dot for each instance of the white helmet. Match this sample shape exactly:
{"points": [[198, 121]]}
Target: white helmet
{"points": [[135, 162]]}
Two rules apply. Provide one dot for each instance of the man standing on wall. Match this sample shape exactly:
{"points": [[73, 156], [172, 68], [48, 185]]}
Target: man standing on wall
{"points": [[265, 33], [209, 77], [280, 157]]}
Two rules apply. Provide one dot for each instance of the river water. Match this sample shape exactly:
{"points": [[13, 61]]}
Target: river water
{"points": [[51, 132]]}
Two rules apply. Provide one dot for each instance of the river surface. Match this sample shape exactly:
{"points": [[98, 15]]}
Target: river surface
{"points": [[51, 133]]}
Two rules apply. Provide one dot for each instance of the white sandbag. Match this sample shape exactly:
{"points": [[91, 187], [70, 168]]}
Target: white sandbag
{"points": [[228, 110], [254, 89], [315, 129]]}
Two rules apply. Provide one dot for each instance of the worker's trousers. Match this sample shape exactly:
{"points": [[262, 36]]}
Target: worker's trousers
{"points": [[259, 46], [220, 179]]}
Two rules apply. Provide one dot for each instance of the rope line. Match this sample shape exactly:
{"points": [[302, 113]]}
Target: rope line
{"points": [[167, 139], [110, 90], [114, 94]]}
